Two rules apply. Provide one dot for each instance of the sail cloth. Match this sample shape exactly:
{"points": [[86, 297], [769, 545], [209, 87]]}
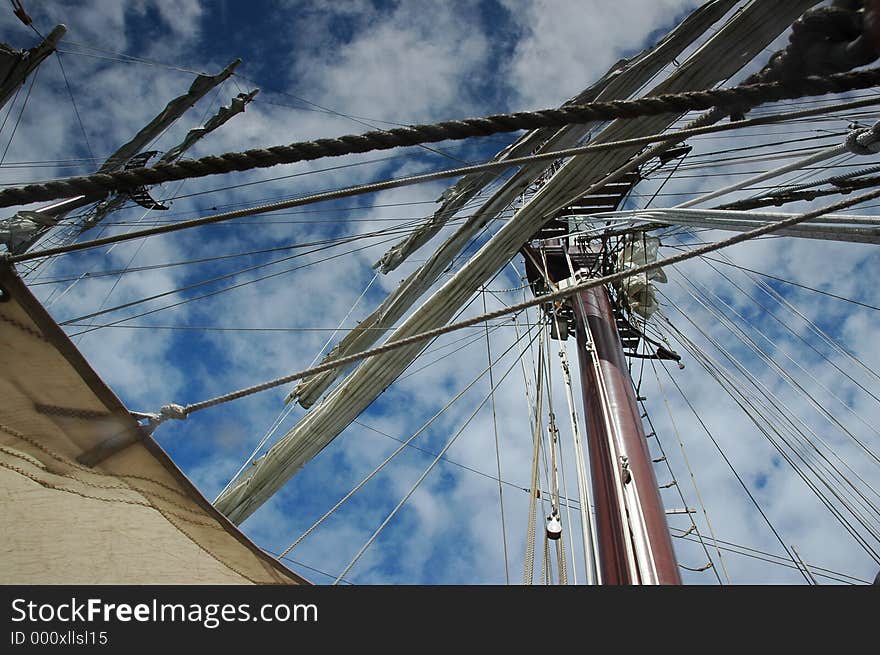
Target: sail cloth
{"points": [[733, 45], [621, 81], [236, 106], [832, 227], [86, 497], [173, 110]]}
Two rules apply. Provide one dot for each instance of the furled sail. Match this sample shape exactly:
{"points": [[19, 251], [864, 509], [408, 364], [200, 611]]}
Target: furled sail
{"points": [[173, 110], [740, 40], [621, 81], [832, 227]]}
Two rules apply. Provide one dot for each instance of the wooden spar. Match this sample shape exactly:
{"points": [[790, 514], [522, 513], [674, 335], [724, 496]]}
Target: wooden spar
{"points": [[27, 63], [634, 542], [44, 219]]}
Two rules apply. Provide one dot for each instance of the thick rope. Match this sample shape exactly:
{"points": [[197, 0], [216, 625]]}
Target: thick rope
{"points": [[430, 177], [180, 412], [99, 185]]}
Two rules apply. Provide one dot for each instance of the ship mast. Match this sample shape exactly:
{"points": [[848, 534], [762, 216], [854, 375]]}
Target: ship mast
{"points": [[635, 546], [633, 540]]}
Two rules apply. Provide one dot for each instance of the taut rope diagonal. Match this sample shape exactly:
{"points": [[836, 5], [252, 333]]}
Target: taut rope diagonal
{"points": [[99, 185], [429, 177], [180, 412]]}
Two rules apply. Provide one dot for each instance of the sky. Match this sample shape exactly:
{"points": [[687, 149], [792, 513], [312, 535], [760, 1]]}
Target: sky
{"points": [[331, 68]]}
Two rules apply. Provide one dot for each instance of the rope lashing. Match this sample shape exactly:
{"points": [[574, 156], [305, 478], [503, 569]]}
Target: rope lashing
{"points": [[864, 141], [97, 186]]}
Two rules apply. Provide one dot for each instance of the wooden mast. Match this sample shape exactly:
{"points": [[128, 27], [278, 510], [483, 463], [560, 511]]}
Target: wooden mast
{"points": [[634, 542]]}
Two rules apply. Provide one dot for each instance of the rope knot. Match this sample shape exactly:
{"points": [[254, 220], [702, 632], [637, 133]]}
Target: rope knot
{"points": [[864, 141], [172, 411]]}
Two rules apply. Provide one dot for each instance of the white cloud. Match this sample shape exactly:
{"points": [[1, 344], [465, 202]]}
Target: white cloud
{"points": [[416, 61]]}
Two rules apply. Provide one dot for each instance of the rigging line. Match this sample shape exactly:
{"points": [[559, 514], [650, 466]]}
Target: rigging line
{"points": [[420, 479], [428, 346], [749, 342], [20, 113], [174, 218], [324, 210], [9, 110], [342, 322], [588, 535], [735, 391], [815, 328], [784, 564], [777, 403], [52, 299], [553, 442], [529, 560], [398, 450], [833, 163], [789, 329], [457, 129], [140, 246], [746, 159], [802, 456], [293, 246], [588, 529], [689, 468], [236, 286], [218, 328], [724, 456], [768, 358], [235, 273], [488, 476], [285, 411], [700, 537], [305, 566], [557, 443], [766, 144], [366, 122], [787, 562], [471, 340], [806, 568], [497, 446], [75, 109], [784, 281], [549, 297], [292, 175], [388, 184], [125, 58], [323, 221]]}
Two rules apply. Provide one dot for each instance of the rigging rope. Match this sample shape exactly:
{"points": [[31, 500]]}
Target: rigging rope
{"points": [[774, 404], [99, 185], [749, 405], [175, 411], [403, 445], [529, 561], [497, 446], [419, 481], [428, 177], [690, 470]]}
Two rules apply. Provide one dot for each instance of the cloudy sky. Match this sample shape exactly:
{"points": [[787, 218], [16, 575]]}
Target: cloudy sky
{"points": [[331, 68]]}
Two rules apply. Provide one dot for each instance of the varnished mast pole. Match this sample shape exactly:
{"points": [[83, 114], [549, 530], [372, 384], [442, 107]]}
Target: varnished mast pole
{"points": [[634, 542]]}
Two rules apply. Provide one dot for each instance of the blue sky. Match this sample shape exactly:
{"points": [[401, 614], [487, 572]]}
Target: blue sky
{"points": [[326, 69]]}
